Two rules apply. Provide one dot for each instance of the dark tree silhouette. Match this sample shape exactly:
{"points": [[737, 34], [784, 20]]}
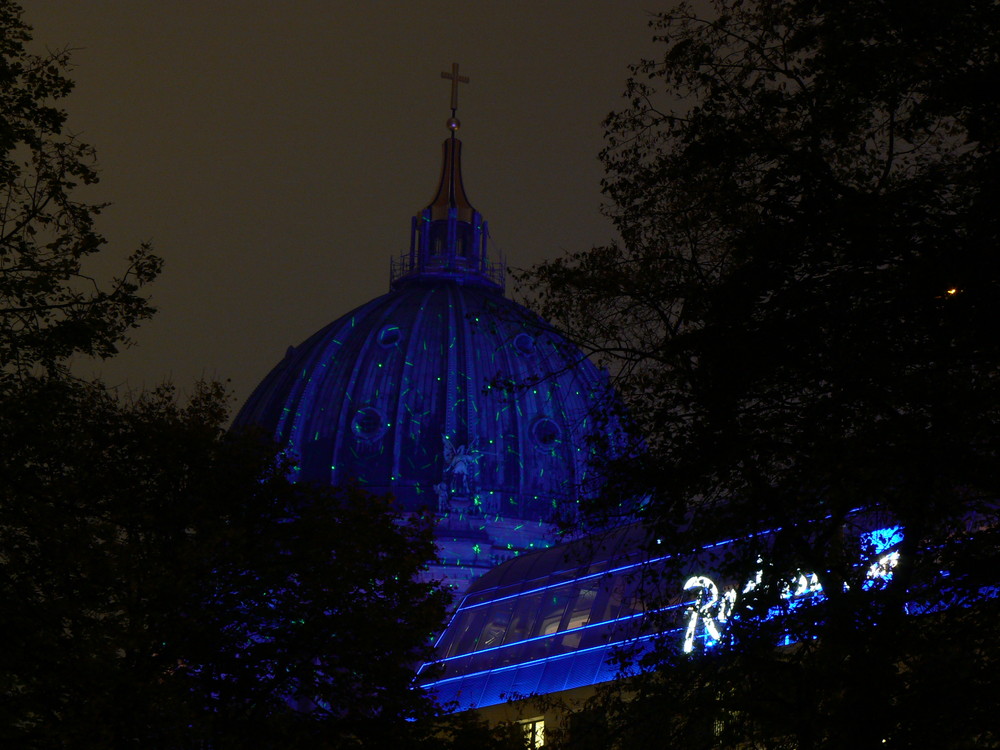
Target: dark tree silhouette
{"points": [[50, 308], [165, 585], [801, 316]]}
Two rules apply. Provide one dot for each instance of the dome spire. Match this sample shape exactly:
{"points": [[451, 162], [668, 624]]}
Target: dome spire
{"points": [[451, 192], [455, 78], [448, 238]]}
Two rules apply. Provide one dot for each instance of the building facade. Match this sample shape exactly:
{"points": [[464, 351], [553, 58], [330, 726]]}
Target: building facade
{"points": [[447, 395]]}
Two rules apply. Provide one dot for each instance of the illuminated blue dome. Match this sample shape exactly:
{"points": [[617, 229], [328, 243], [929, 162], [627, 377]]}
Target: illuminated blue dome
{"points": [[445, 394], [376, 397]]}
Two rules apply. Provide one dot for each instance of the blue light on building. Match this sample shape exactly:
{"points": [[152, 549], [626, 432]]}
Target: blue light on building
{"points": [[444, 393], [556, 620], [466, 406]]}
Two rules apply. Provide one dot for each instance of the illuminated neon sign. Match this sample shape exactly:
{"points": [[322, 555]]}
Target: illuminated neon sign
{"points": [[712, 608]]}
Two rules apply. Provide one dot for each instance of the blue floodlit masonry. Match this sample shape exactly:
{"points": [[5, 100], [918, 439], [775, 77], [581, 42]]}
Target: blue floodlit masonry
{"points": [[446, 394]]}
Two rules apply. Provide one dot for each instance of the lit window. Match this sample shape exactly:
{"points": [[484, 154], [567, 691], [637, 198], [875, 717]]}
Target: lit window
{"points": [[534, 732]]}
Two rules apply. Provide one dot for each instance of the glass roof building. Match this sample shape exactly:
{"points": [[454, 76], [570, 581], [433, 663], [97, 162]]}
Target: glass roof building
{"points": [[561, 618], [546, 622]]}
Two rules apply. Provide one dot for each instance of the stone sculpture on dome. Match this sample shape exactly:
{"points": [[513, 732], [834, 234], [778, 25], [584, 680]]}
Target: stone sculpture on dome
{"points": [[459, 464]]}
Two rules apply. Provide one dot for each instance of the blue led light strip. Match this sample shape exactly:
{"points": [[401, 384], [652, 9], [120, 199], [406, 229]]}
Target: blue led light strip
{"points": [[558, 633], [556, 657], [630, 566], [610, 571]]}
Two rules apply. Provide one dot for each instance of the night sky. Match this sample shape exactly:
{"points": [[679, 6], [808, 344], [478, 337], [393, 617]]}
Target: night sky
{"points": [[274, 153]]}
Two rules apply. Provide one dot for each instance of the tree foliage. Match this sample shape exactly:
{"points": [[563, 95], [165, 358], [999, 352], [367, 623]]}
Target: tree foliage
{"points": [[164, 584], [167, 586], [801, 315], [49, 307]]}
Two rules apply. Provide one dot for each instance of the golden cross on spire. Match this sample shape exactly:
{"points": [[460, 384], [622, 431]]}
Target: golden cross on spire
{"points": [[455, 79]]}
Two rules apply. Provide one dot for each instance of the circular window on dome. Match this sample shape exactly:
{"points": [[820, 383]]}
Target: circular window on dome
{"points": [[368, 423], [545, 432], [389, 336], [524, 343]]}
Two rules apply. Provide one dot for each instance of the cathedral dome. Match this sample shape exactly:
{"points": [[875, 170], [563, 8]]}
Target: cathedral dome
{"points": [[444, 393], [447, 395]]}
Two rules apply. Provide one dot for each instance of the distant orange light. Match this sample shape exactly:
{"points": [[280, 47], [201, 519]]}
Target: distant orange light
{"points": [[953, 290]]}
